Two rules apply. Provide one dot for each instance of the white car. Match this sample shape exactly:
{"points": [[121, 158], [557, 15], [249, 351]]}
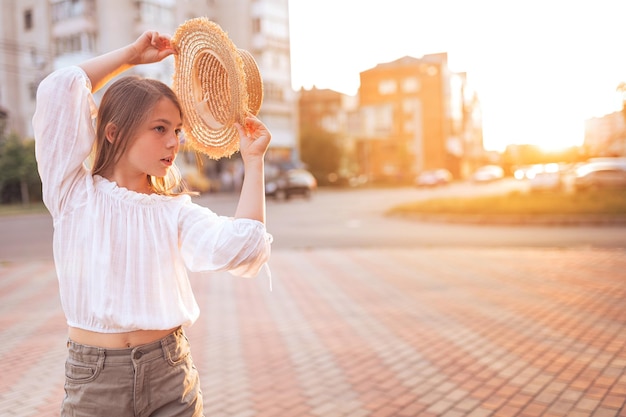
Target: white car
{"points": [[433, 178], [488, 173], [601, 174]]}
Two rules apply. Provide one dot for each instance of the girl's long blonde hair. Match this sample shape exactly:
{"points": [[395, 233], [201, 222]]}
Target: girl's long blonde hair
{"points": [[126, 104]]}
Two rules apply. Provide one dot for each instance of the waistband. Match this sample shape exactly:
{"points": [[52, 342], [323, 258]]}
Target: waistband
{"points": [[167, 346]]}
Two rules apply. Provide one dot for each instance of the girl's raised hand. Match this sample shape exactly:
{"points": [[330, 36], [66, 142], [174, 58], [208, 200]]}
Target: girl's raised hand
{"points": [[151, 47], [254, 138]]}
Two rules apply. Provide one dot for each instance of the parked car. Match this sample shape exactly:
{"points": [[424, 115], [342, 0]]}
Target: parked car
{"points": [[545, 177], [289, 183], [524, 172], [433, 178], [601, 174], [488, 173]]}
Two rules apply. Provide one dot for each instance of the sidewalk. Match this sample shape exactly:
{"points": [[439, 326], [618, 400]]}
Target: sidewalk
{"points": [[371, 333]]}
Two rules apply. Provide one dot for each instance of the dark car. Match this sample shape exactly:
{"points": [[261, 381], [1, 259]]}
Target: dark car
{"points": [[433, 178], [290, 183]]}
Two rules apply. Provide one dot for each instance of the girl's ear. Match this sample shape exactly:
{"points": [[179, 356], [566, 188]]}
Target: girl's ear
{"points": [[110, 132]]}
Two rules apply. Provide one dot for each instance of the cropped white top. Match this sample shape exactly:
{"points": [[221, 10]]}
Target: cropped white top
{"points": [[122, 257]]}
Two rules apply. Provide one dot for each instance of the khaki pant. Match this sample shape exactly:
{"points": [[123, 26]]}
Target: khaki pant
{"points": [[156, 380]]}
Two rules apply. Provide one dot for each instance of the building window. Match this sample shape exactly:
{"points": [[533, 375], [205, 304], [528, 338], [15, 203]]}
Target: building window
{"points": [[273, 92], [410, 105], [69, 9], [377, 121], [75, 44], [28, 19], [411, 85], [387, 87], [154, 13], [273, 28], [432, 70]]}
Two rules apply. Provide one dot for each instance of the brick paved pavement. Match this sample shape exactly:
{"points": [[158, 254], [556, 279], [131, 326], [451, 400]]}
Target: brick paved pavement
{"points": [[365, 332]]}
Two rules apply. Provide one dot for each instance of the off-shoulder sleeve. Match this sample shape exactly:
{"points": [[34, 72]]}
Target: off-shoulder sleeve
{"points": [[64, 133], [216, 243]]}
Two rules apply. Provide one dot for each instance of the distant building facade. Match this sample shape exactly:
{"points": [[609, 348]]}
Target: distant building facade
{"points": [[25, 58], [606, 135], [409, 115], [39, 36], [417, 115]]}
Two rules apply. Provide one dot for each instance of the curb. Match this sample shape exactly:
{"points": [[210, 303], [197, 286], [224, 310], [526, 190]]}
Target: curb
{"points": [[519, 220]]}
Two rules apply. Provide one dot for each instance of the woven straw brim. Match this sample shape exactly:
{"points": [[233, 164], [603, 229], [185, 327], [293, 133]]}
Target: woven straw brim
{"points": [[254, 82], [217, 85]]}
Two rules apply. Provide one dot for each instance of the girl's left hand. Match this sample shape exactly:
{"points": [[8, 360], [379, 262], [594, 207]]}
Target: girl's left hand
{"points": [[254, 138]]}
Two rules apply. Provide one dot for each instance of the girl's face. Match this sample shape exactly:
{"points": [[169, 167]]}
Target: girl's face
{"points": [[155, 147]]}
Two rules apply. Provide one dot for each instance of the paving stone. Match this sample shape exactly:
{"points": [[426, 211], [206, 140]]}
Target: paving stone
{"points": [[406, 332]]}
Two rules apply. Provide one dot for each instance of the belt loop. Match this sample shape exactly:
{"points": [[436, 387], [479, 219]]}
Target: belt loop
{"points": [[171, 341], [101, 357]]}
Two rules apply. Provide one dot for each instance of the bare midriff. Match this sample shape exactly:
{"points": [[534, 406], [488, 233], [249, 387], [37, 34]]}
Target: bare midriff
{"points": [[116, 340]]}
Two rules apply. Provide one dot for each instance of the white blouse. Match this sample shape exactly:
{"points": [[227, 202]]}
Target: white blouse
{"points": [[122, 257]]}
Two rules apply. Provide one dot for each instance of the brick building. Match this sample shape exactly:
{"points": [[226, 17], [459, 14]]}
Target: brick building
{"points": [[417, 115]]}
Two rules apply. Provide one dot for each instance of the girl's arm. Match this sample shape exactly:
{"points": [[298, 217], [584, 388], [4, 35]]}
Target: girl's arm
{"points": [[148, 48], [254, 140]]}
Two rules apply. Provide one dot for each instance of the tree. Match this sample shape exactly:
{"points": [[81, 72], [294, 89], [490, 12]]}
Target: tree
{"points": [[19, 179], [320, 152]]}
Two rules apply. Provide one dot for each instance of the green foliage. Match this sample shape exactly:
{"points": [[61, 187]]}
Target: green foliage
{"points": [[19, 179], [321, 153]]}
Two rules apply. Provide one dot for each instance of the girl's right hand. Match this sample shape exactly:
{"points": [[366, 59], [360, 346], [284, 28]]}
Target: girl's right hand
{"points": [[254, 138], [151, 47]]}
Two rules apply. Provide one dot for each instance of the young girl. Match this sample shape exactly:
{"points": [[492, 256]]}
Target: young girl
{"points": [[123, 237]]}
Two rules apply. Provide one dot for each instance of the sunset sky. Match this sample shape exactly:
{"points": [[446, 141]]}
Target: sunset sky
{"points": [[540, 67]]}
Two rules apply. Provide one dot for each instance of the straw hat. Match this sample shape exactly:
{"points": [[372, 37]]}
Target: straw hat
{"points": [[217, 85]]}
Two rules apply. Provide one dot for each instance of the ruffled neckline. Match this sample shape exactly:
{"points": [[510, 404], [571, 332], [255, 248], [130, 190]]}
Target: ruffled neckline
{"points": [[121, 193]]}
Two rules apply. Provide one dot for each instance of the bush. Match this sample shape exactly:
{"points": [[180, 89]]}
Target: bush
{"points": [[19, 179], [583, 203]]}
